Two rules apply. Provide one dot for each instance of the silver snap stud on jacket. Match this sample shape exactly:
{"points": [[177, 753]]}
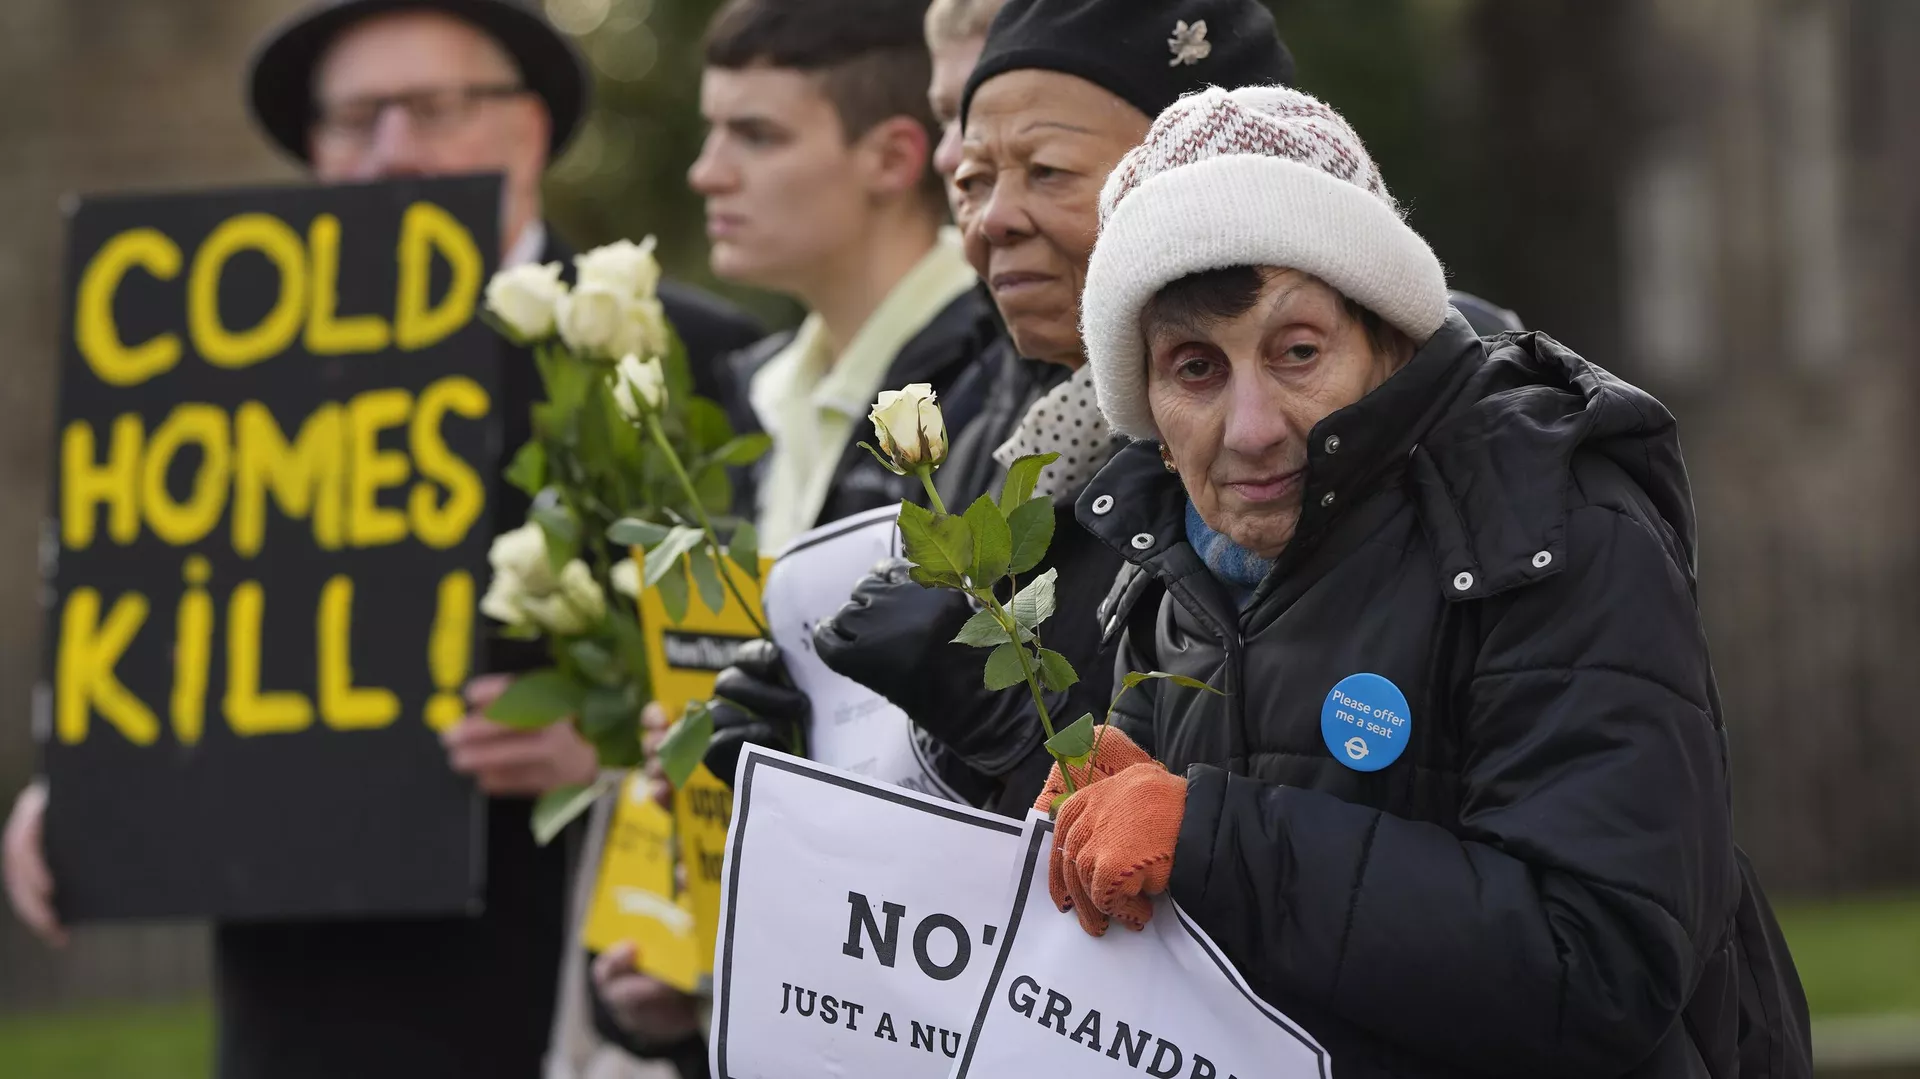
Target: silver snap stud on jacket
{"points": [[1103, 504], [1327, 499], [1541, 560], [1143, 541], [1333, 443], [1463, 581]]}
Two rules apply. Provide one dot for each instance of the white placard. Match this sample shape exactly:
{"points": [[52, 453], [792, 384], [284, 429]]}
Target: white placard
{"points": [[857, 924], [853, 727], [1162, 1002]]}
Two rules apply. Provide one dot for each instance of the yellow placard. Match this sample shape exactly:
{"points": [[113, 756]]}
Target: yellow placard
{"points": [[674, 918], [635, 897]]}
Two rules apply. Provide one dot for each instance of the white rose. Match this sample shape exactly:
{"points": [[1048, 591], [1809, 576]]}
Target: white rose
{"points": [[625, 578], [502, 601], [645, 331], [525, 299], [911, 431], [575, 605], [592, 319], [582, 591], [640, 386], [625, 267], [521, 557]]}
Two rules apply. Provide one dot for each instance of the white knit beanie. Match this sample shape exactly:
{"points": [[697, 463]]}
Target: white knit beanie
{"points": [[1259, 176]]}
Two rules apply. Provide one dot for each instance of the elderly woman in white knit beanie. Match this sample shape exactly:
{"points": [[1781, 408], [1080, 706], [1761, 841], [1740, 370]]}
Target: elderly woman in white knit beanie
{"points": [[1460, 803]]}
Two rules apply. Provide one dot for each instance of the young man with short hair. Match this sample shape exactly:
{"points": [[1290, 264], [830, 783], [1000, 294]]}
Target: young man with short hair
{"points": [[815, 172]]}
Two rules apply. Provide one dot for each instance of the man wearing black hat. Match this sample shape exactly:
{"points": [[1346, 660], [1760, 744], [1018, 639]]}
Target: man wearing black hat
{"points": [[364, 89], [361, 90]]}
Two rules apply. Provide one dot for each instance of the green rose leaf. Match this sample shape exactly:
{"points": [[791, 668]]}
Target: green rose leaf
{"points": [[983, 631], [927, 578], [1032, 529], [563, 535], [1034, 604], [633, 532], [596, 662], [1055, 672], [743, 550], [940, 543], [528, 472], [707, 425], [1074, 742], [561, 806], [1003, 667], [743, 450], [1134, 678], [706, 577], [672, 586], [604, 710], [885, 461], [537, 699], [680, 539], [992, 542], [686, 744], [1021, 477]]}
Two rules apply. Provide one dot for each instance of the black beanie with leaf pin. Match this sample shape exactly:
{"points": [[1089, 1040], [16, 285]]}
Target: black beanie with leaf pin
{"points": [[1146, 52]]}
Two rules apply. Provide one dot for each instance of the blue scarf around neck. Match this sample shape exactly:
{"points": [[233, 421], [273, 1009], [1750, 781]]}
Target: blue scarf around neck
{"points": [[1239, 570]]}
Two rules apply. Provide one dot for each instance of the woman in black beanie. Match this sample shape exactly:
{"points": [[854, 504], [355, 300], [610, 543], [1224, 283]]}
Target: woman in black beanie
{"points": [[1061, 91]]}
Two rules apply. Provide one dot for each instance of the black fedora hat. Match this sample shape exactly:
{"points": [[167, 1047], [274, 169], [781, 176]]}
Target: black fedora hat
{"points": [[280, 77]]}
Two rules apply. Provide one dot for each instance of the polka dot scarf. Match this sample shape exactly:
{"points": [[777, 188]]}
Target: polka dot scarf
{"points": [[1066, 421]]}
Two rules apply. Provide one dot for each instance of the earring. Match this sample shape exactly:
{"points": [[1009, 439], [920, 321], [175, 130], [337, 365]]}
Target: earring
{"points": [[1166, 458]]}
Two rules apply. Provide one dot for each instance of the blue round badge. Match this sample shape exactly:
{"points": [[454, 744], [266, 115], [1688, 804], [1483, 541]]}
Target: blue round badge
{"points": [[1366, 722]]}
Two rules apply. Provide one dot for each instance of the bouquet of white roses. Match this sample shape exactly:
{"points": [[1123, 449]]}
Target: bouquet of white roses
{"points": [[624, 458]]}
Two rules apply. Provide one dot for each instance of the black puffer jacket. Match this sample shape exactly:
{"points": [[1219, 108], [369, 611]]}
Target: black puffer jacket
{"points": [[1545, 883]]}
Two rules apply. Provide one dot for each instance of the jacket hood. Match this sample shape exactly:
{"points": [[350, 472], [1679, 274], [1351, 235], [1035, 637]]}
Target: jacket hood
{"points": [[1494, 477]]}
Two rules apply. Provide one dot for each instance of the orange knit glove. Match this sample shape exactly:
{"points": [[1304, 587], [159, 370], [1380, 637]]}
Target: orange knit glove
{"points": [[1113, 753], [1113, 846]]}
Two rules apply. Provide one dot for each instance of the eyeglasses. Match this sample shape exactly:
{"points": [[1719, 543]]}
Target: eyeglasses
{"points": [[431, 111]]}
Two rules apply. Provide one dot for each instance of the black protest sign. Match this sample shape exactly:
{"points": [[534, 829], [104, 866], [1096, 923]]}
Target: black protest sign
{"points": [[278, 437]]}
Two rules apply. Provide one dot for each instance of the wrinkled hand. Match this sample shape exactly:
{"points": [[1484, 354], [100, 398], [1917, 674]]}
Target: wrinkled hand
{"points": [[754, 704], [1113, 846], [511, 763], [24, 858], [654, 1012], [1113, 753]]}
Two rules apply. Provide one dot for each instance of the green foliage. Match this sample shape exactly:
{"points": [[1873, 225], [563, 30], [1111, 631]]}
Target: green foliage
{"points": [[633, 532], [940, 546], [1074, 744], [1034, 603], [1005, 668], [538, 699], [706, 578], [528, 471], [992, 542], [1031, 528], [984, 630], [743, 549], [1021, 476], [561, 806], [1055, 672], [685, 746]]}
